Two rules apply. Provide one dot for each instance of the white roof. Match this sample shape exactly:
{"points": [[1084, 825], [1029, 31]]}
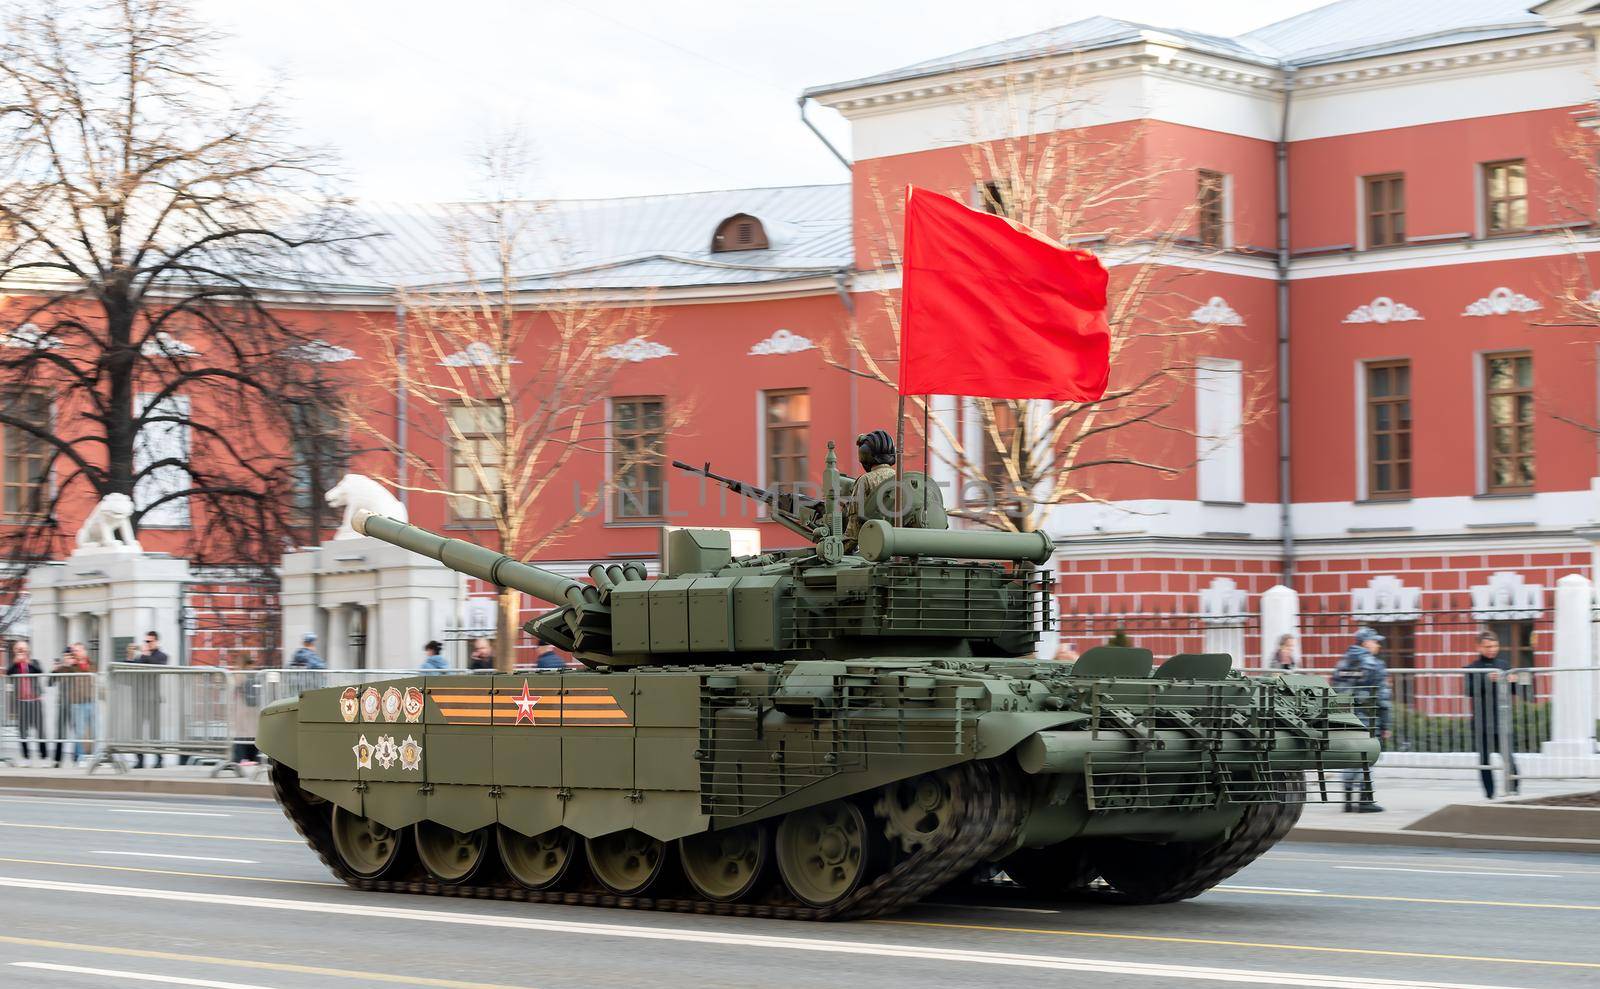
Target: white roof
{"points": [[1340, 30], [633, 242]]}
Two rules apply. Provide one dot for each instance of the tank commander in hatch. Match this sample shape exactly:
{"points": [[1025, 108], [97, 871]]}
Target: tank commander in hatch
{"points": [[865, 501]]}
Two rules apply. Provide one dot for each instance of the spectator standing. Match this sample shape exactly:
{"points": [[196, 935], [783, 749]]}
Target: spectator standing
{"points": [[1483, 677], [1286, 654], [147, 696], [75, 690], [27, 694], [1067, 652], [433, 657], [246, 712], [1362, 676], [482, 657], [306, 657]]}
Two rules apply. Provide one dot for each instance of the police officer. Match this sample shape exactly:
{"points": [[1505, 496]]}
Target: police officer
{"points": [[876, 452], [1362, 676]]}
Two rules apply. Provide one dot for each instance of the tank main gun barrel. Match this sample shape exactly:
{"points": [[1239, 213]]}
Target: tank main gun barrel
{"points": [[476, 561]]}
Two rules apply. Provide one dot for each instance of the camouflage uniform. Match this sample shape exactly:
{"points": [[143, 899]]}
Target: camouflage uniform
{"points": [[862, 504]]}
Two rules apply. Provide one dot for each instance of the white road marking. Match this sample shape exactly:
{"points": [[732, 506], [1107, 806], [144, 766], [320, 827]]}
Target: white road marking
{"points": [[985, 906], [1264, 889], [93, 802], [376, 911], [1448, 872], [185, 858], [173, 813], [171, 980]]}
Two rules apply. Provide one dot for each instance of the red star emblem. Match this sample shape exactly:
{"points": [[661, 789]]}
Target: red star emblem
{"points": [[525, 705]]}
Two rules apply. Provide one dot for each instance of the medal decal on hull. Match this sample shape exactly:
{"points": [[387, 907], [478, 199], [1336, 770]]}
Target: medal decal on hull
{"points": [[412, 705], [386, 752], [363, 751], [349, 705], [391, 704], [410, 754], [370, 704]]}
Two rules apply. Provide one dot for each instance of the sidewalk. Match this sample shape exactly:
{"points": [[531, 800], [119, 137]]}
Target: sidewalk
{"points": [[1406, 797]]}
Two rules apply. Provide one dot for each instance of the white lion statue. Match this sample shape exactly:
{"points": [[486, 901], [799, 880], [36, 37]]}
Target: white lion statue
{"points": [[358, 492], [108, 526]]}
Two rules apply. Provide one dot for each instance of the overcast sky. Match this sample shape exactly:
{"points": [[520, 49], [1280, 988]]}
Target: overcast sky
{"points": [[616, 97]]}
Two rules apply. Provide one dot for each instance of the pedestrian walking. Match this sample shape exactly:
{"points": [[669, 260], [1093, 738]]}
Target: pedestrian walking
{"points": [[1363, 677], [482, 657], [75, 709], [1286, 654], [306, 657], [1484, 676], [433, 657], [246, 712], [27, 698]]}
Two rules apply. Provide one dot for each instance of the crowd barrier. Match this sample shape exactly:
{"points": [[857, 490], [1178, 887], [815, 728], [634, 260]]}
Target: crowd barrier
{"points": [[1521, 724], [1532, 723]]}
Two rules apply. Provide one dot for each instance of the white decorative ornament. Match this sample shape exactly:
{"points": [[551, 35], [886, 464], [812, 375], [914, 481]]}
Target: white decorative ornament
{"points": [[386, 752], [1385, 599], [639, 349], [322, 352], [108, 526], [28, 336], [781, 342], [1594, 297], [1223, 603], [164, 344], [1382, 310], [1507, 597], [357, 492], [1217, 312], [475, 354], [1501, 302]]}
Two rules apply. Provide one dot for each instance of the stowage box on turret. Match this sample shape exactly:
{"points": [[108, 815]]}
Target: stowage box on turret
{"points": [[828, 733]]}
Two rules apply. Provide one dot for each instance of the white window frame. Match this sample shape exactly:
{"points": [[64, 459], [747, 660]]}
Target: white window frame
{"points": [[173, 514]]}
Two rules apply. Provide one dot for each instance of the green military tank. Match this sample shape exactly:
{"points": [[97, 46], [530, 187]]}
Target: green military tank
{"points": [[826, 733]]}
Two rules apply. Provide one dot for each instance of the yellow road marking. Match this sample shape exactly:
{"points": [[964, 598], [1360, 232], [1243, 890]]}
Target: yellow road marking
{"points": [[153, 834], [363, 976], [1413, 899], [1167, 939], [173, 872]]}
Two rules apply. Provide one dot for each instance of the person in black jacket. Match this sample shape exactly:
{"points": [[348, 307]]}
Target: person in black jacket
{"points": [[27, 694], [1483, 676]]}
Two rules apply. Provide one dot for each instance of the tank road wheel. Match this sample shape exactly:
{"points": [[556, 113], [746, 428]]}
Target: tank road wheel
{"points": [[1146, 872], [450, 856], [1053, 871], [365, 847], [822, 852], [626, 862], [540, 862], [916, 811], [725, 866]]}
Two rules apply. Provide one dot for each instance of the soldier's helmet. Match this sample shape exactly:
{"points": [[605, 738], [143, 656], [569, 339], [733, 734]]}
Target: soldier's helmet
{"points": [[876, 447]]}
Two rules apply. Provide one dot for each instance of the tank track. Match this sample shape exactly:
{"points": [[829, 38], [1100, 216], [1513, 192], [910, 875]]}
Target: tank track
{"points": [[990, 812], [1197, 869]]}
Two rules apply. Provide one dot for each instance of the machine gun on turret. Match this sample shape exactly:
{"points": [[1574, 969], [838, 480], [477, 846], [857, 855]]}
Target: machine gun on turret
{"points": [[790, 509]]}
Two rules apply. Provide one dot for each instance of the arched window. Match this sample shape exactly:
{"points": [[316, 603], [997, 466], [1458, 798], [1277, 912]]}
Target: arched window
{"points": [[739, 232]]}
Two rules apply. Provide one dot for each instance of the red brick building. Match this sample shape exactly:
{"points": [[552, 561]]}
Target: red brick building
{"points": [[1391, 221]]}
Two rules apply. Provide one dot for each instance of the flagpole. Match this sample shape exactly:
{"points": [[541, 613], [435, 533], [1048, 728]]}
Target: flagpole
{"points": [[927, 449]]}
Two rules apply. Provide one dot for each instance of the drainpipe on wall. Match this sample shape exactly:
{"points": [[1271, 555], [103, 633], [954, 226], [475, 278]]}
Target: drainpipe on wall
{"points": [[1285, 495], [400, 404], [820, 136]]}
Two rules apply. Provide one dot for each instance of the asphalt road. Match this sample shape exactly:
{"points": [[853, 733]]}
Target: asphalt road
{"points": [[100, 891]]}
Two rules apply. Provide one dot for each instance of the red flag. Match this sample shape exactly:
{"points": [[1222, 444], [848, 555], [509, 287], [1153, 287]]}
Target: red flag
{"points": [[992, 308]]}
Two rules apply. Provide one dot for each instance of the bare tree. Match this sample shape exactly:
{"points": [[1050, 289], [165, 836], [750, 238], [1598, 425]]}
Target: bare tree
{"points": [[513, 384], [147, 212], [1096, 189]]}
